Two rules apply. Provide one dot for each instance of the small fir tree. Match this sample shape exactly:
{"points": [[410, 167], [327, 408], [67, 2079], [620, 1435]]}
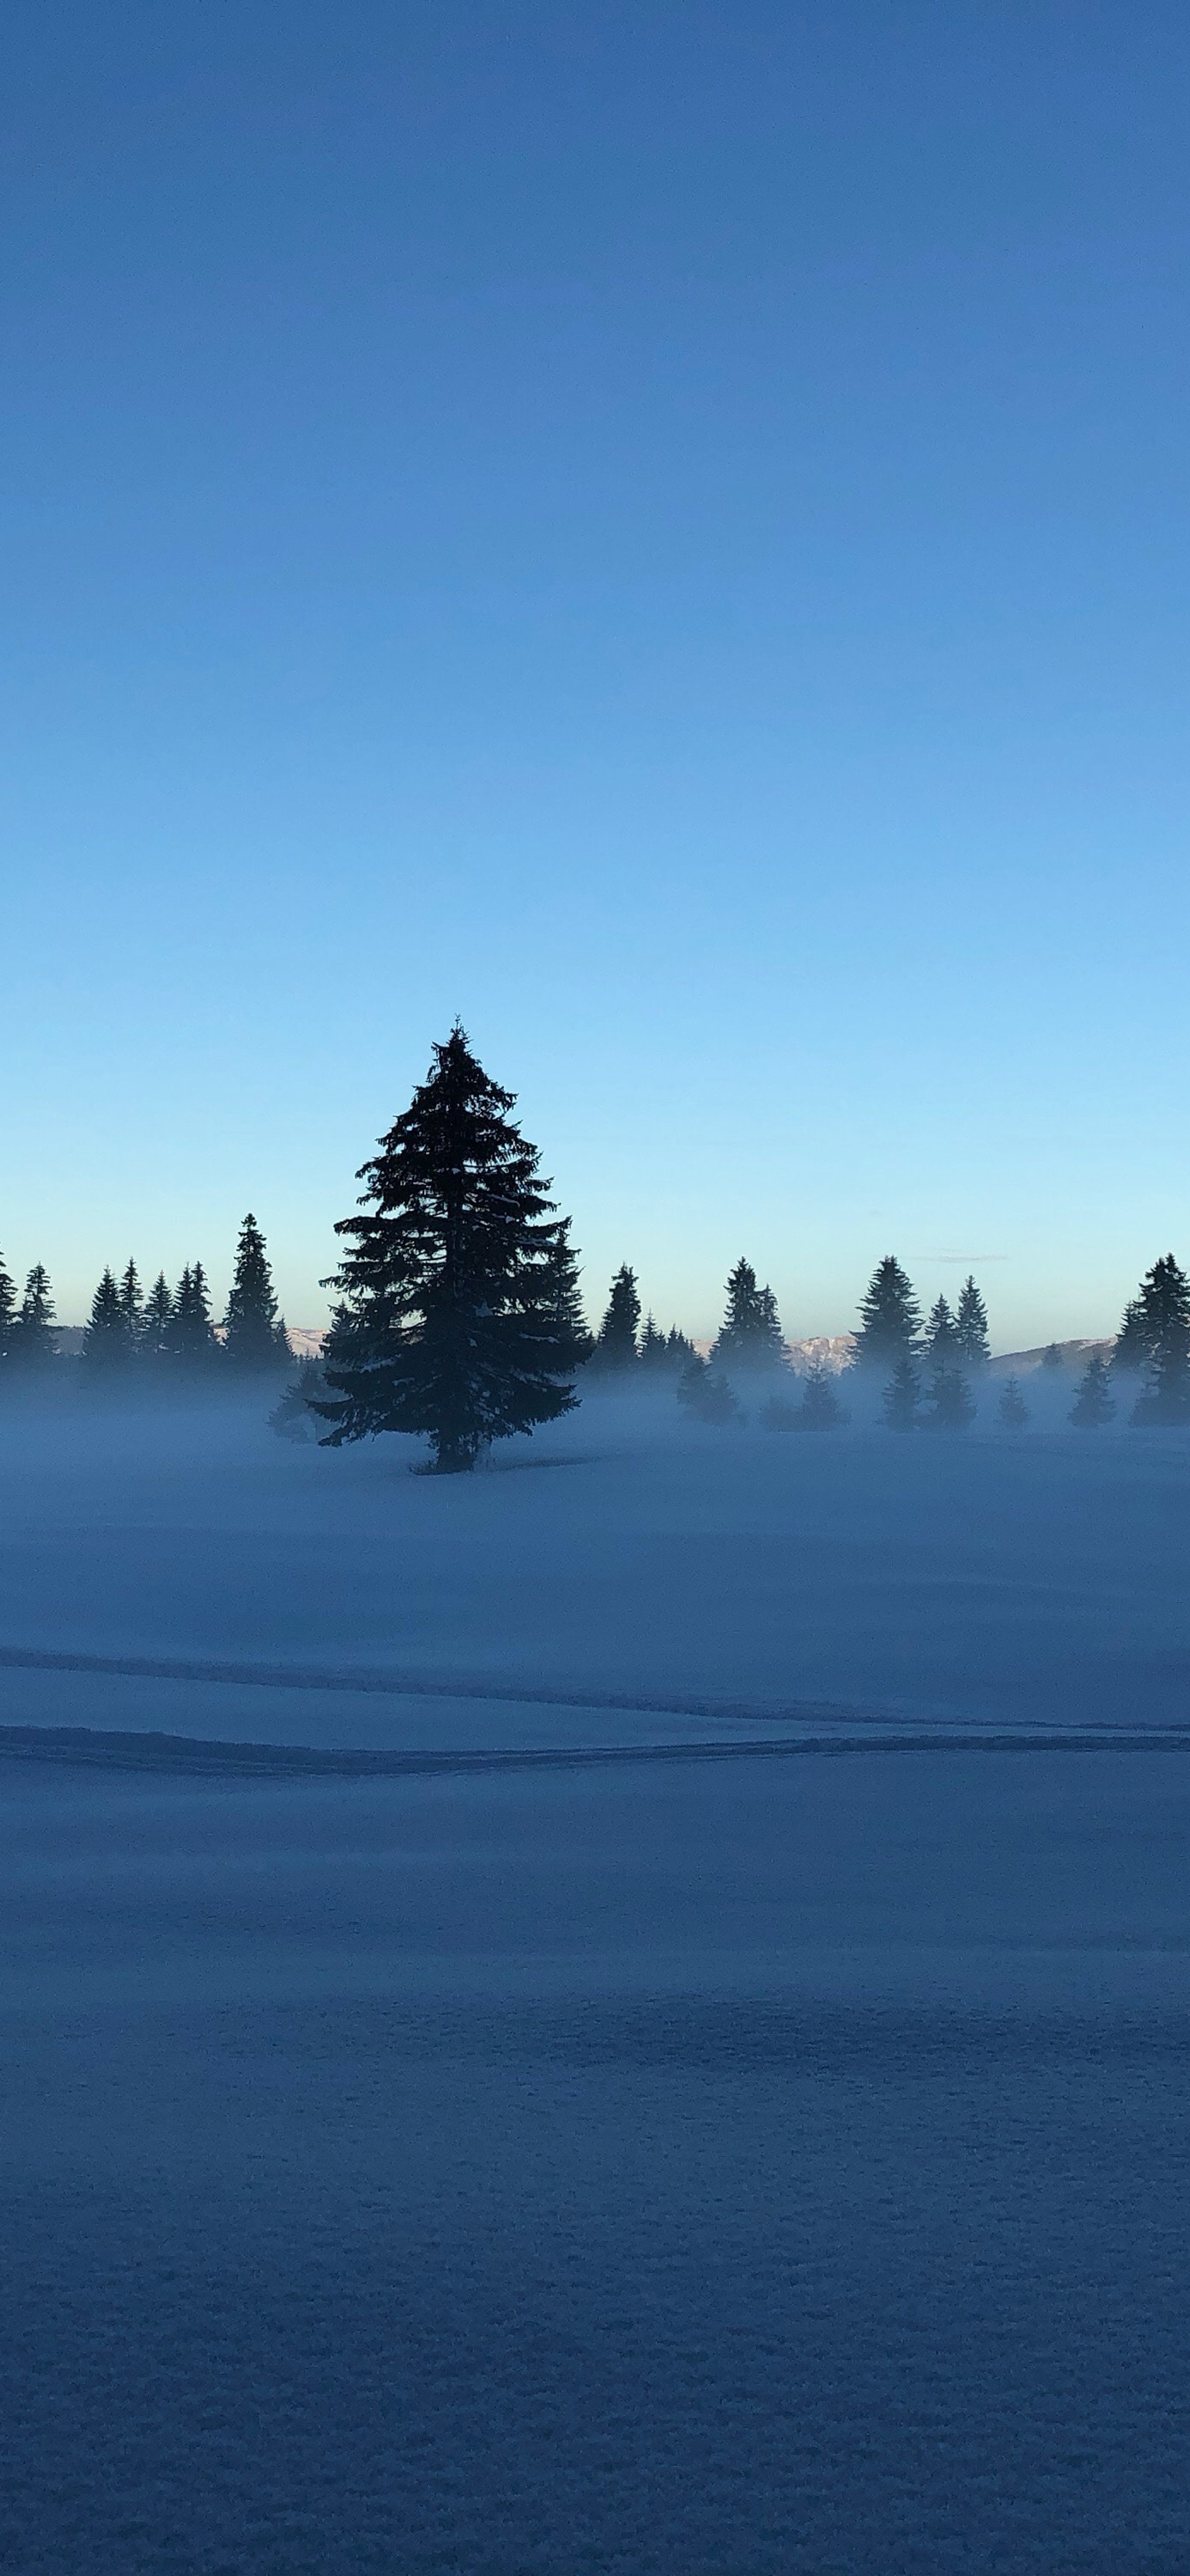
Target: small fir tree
{"points": [[616, 1341], [254, 1335], [889, 1319], [653, 1354], [448, 1293], [820, 1409], [704, 1392], [1094, 1403], [1051, 1357], [951, 1404], [107, 1339], [33, 1344], [1014, 1412], [971, 1327], [902, 1397], [750, 1335]]}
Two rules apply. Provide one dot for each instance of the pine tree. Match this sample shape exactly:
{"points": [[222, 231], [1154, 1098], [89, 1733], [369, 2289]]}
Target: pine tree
{"points": [[951, 1404], [941, 1336], [1094, 1403], [157, 1321], [1014, 1412], [653, 1354], [1164, 1300], [889, 1319], [107, 1340], [254, 1335], [971, 1327], [1051, 1357], [616, 1341], [820, 1409], [132, 1305], [191, 1339], [678, 1349], [33, 1343], [750, 1335], [902, 1397], [448, 1293], [704, 1392], [8, 1300]]}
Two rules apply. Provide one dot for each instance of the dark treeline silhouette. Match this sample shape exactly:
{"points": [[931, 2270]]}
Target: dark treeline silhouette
{"points": [[458, 1317], [164, 1340]]}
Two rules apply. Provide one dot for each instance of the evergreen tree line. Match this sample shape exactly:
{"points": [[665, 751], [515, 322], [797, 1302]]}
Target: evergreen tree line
{"points": [[457, 1312], [166, 1334]]}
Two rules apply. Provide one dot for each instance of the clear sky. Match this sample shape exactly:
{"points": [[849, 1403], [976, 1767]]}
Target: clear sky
{"points": [[662, 530]]}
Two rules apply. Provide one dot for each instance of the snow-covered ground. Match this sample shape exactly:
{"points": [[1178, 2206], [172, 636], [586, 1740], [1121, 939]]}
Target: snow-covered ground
{"points": [[682, 2164]]}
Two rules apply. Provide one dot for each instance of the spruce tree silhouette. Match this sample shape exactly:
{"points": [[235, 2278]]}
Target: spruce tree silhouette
{"points": [[447, 1321], [107, 1339], [32, 1343], [254, 1335], [1094, 1403], [971, 1327], [902, 1397], [820, 1409], [1012, 1408], [616, 1344], [8, 1303], [942, 1341], [889, 1319], [1164, 1327], [750, 1335], [156, 1322]]}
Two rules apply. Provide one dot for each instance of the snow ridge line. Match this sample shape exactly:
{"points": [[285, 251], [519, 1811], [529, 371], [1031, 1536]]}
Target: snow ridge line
{"points": [[210, 1758], [373, 1681]]}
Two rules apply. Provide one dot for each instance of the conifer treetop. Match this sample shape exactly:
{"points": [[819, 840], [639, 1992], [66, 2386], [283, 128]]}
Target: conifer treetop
{"points": [[889, 1318], [750, 1335]]}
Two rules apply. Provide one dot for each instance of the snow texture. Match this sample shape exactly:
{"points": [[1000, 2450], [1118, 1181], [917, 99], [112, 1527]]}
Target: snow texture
{"points": [[670, 2166]]}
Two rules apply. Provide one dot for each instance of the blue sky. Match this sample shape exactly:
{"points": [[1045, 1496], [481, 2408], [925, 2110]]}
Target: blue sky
{"points": [[661, 530]]}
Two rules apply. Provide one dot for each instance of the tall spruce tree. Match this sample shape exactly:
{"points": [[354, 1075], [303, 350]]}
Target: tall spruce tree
{"points": [[155, 1346], [616, 1346], [254, 1335], [107, 1339], [942, 1341], [191, 1341], [889, 1319], [132, 1305], [1164, 1302], [8, 1305], [750, 1335], [447, 1321], [33, 1343], [971, 1327]]}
